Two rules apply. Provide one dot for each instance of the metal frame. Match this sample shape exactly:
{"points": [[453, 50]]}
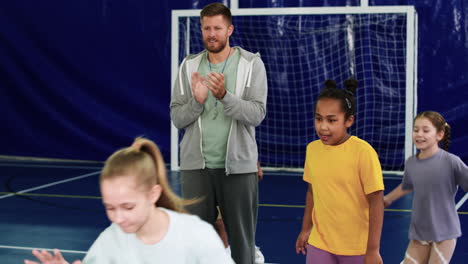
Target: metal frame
{"points": [[411, 54]]}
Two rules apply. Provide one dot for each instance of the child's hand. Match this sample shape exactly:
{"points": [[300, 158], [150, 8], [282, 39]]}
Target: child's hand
{"points": [[387, 202], [301, 243], [373, 258], [46, 258]]}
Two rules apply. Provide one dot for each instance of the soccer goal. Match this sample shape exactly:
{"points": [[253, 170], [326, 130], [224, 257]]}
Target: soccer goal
{"points": [[301, 48]]}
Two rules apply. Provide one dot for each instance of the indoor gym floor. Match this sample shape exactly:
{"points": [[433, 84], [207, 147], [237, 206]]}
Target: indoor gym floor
{"points": [[60, 207]]}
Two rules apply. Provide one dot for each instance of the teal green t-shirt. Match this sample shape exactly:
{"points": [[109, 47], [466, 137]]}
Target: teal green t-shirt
{"points": [[215, 124]]}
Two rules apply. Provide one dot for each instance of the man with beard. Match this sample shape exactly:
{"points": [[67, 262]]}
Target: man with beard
{"points": [[219, 97]]}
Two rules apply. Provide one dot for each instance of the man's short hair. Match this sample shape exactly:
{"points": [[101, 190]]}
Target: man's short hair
{"points": [[215, 9]]}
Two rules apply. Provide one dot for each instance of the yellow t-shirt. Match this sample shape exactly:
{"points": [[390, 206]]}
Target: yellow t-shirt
{"points": [[341, 176]]}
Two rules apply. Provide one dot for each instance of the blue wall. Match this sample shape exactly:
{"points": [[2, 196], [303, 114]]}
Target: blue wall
{"points": [[79, 79]]}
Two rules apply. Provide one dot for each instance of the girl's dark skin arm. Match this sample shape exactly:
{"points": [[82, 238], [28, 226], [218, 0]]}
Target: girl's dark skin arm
{"points": [[301, 243], [376, 207]]}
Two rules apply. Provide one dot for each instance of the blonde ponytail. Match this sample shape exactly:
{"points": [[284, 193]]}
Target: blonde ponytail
{"points": [[144, 160]]}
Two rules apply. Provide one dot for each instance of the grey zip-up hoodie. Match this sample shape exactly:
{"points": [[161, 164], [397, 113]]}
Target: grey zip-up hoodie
{"points": [[247, 108]]}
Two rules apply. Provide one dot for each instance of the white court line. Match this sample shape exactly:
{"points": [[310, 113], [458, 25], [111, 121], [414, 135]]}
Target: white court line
{"points": [[393, 178], [47, 166], [52, 184], [61, 250], [461, 202], [48, 249]]}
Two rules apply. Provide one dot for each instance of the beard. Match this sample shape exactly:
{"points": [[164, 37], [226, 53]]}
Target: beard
{"points": [[219, 45]]}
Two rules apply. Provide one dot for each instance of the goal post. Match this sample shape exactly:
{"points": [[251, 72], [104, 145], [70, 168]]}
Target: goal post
{"points": [[301, 48]]}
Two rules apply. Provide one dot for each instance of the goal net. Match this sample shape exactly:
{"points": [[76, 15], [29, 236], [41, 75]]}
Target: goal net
{"points": [[301, 48]]}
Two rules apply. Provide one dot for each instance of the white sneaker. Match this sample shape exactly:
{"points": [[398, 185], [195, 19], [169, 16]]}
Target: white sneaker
{"points": [[259, 258]]}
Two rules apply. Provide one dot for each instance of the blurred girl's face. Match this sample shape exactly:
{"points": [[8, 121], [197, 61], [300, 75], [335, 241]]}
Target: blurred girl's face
{"points": [[127, 205], [330, 123], [425, 135]]}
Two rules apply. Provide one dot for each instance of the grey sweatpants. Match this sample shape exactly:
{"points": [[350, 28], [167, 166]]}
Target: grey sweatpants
{"points": [[237, 198]]}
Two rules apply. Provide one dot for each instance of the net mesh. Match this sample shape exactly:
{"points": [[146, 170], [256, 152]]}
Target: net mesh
{"points": [[300, 52]]}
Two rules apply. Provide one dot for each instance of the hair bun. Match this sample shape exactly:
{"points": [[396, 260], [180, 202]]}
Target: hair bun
{"points": [[351, 85], [330, 84]]}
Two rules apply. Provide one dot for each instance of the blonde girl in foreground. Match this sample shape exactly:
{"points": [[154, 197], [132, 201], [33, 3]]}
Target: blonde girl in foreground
{"points": [[149, 224]]}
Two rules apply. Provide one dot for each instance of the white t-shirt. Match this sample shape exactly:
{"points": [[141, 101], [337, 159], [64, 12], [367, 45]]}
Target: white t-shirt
{"points": [[189, 240]]}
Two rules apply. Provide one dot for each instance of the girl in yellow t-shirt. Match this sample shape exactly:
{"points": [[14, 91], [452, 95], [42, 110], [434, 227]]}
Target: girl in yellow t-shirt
{"points": [[344, 202]]}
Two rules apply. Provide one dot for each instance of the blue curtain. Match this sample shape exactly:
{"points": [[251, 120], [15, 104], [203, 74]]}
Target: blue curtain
{"points": [[79, 79]]}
